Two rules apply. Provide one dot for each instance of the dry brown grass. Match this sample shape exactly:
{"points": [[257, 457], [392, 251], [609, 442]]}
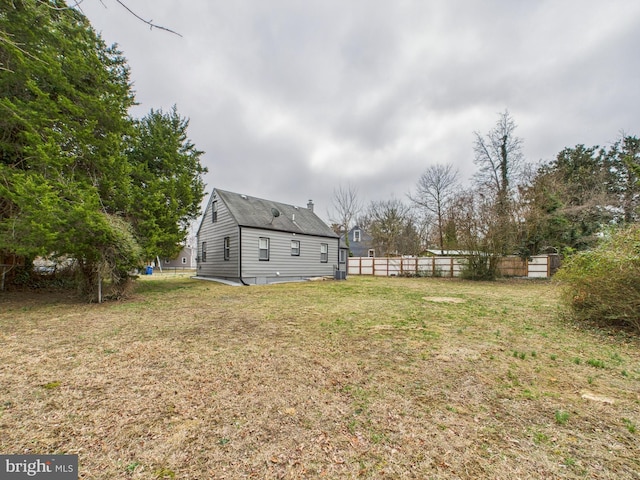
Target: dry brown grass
{"points": [[368, 378]]}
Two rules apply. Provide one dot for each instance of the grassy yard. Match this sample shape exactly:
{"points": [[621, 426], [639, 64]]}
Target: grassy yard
{"points": [[369, 378]]}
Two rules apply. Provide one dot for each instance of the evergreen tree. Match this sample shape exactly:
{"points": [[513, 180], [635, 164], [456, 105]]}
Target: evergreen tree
{"points": [[167, 182], [64, 97], [569, 202], [79, 178]]}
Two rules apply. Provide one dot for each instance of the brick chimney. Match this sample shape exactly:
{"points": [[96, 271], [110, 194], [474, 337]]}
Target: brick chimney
{"points": [[310, 205]]}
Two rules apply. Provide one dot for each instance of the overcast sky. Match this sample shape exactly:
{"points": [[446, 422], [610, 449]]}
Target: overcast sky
{"points": [[290, 99]]}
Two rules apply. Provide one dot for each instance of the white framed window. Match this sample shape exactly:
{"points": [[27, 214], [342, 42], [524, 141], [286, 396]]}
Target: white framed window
{"points": [[357, 236], [214, 211], [184, 260], [263, 249], [204, 252], [226, 248], [371, 253], [295, 248], [324, 253], [343, 256]]}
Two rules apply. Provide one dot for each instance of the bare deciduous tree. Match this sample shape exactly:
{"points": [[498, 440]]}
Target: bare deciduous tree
{"points": [[435, 189], [480, 233], [498, 155], [392, 228], [346, 206]]}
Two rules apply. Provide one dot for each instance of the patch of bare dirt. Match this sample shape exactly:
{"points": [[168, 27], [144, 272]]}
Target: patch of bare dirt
{"points": [[445, 299]]}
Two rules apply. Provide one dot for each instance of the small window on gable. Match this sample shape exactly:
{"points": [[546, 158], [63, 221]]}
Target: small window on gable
{"points": [[356, 236], [263, 249], [226, 248], [214, 211], [372, 253], [324, 253], [295, 248]]}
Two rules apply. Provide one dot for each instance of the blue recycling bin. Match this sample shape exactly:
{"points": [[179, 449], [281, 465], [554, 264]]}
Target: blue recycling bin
{"points": [[149, 270]]}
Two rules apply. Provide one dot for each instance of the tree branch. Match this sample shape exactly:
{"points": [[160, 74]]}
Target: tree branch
{"points": [[148, 22]]}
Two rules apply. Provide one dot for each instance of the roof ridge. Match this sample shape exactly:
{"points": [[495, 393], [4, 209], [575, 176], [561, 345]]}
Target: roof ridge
{"points": [[251, 211]]}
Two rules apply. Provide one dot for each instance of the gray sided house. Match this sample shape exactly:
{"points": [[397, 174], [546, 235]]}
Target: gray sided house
{"points": [[254, 241], [186, 259], [360, 242]]}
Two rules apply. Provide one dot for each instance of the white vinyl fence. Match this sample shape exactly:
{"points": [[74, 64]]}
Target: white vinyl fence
{"points": [[539, 266]]}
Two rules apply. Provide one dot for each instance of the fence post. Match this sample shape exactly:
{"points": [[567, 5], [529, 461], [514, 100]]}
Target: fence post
{"points": [[548, 260], [451, 267]]}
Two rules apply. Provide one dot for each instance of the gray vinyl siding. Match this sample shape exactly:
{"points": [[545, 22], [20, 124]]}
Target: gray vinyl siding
{"points": [[189, 260], [244, 221], [214, 234], [281, 264]]}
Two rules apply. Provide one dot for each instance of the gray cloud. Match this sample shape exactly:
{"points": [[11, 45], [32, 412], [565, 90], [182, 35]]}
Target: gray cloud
{"points": [[290, 99]]}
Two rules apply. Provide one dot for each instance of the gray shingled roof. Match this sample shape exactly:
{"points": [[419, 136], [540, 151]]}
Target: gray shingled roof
{"points": [[257, 212]]}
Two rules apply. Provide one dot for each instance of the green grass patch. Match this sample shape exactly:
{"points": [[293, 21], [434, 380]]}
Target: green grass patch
{"points": [[561, 417]]}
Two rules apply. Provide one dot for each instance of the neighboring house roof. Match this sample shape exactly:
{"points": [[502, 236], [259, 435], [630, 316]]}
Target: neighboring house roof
{"points": [[361, 246], [269, 215]]}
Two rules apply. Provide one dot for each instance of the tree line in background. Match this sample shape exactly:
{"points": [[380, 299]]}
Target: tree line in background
{"points": [[583, 204], [562, 206], [79, 177]]}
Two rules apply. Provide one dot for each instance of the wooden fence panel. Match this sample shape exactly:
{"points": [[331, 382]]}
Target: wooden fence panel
{"points": [[380, 267], [513, 267], [360, 266]]}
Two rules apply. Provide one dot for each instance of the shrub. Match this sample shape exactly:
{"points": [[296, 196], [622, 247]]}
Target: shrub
{"points": [[480, 266], [603, 285]]}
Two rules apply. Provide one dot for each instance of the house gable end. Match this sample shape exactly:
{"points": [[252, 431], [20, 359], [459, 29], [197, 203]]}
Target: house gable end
{"points": [[256, 241]]}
